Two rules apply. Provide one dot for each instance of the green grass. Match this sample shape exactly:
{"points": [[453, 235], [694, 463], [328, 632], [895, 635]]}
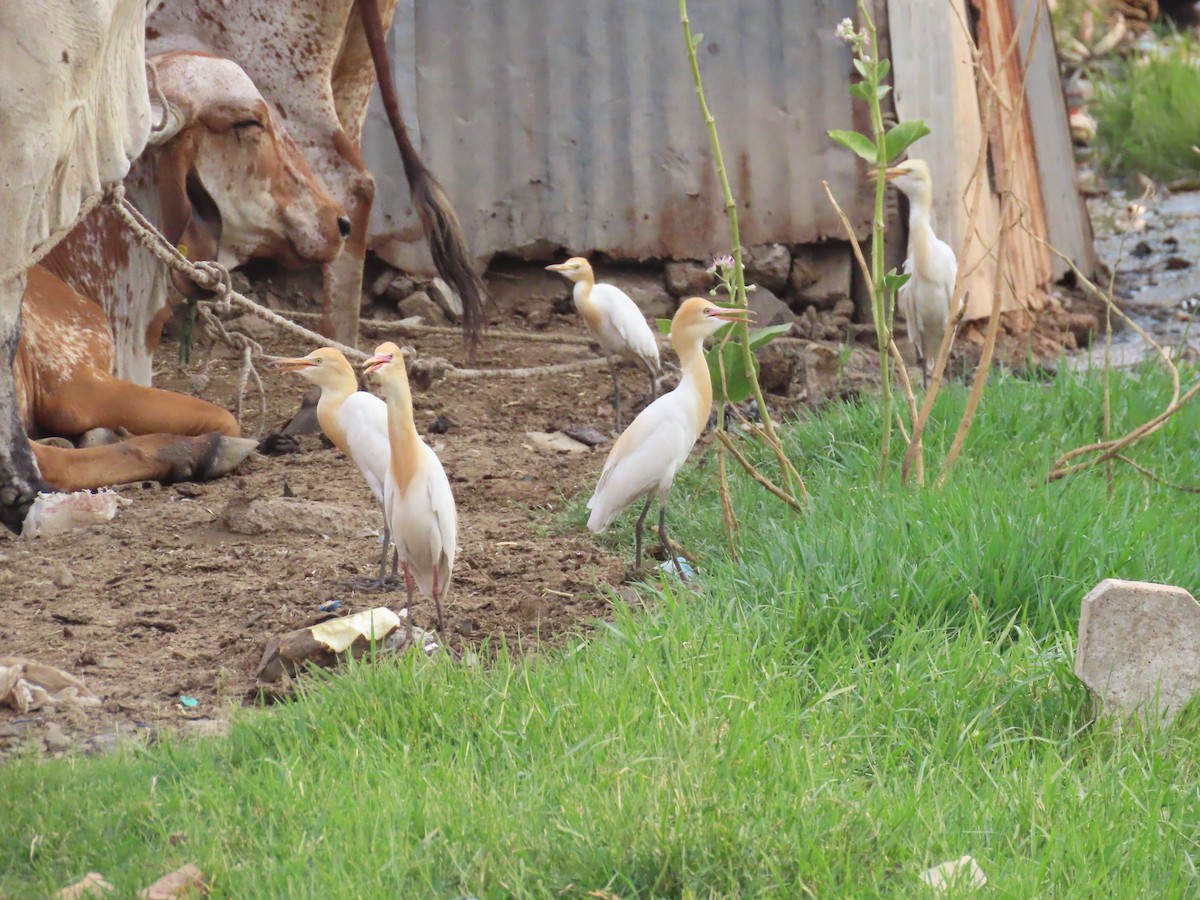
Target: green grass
{"points": [[877, 687], [1148, 113]]}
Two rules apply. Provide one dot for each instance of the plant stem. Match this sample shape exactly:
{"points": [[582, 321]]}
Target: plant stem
{"points": [[790, 477]]}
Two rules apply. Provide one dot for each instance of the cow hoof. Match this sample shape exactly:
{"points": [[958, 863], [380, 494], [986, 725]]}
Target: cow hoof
{"points": [[60, 442], [230, 452], [97, 437]]}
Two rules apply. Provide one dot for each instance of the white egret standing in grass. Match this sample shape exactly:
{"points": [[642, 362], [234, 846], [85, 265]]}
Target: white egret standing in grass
{"points": [[416, 492], [645, 458], [615, 322], [355, 421], [925, 298]]}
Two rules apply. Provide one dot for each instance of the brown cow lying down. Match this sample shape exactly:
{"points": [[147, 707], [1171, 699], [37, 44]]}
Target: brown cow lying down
{"points": [[65, 388]]}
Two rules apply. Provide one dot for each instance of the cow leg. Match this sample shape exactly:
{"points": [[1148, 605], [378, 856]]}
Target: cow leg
{"points": [[19, 480], [152, 457], [96, 400]]}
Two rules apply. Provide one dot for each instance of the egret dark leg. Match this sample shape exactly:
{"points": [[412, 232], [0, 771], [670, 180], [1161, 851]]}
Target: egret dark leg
{"points": [[662, 535], [637, 533], [437, 602], [653, 384], [617, 394], [408, 589]]}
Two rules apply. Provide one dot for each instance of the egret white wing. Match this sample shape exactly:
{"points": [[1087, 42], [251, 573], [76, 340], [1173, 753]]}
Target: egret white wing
{"points": [[363, 417], [626, 323]]}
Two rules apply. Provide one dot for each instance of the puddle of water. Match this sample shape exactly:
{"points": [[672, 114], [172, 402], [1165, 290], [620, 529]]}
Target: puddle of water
{"points": [[1158, 273]]}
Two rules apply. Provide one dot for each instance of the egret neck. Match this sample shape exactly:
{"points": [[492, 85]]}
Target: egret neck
{"points": [[920, 231], [402, 430], [696, 382], [582, 294], [334, 393]]}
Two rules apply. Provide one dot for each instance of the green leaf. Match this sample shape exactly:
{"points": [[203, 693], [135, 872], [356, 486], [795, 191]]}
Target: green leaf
{"points": [[859, 143], [885, 66], [883, 90], [893, 281], [862, 68], [735, 373], [664, 325], [901, 136], [697, 38], [862, 91], [760, 336]]}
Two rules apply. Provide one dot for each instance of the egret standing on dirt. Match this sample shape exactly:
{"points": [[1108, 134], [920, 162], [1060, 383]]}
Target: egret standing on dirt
{"points": [[416, 492], [925, 298], [645, 458], [615, 323], [355, 421]]}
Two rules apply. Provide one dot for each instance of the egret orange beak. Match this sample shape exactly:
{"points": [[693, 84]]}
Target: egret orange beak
{"points": [[375, 362], [557, 267], [896, 172], [735, 314], [292, 365]]}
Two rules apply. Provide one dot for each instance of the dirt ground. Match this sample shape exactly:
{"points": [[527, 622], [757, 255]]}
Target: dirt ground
{"points": [[167, 602]]}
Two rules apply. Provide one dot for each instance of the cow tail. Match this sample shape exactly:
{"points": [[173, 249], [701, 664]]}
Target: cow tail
{"points": [[441, 225]]}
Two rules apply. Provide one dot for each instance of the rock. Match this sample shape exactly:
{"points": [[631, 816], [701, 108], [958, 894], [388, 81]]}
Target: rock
{"points": [[400, 287], [829, 373], [647, 292], [322, 644], [586, 435], [60, 442], [959, 873], [526, 289], [687, 278], [185, 881], [1139, 649], [267, 515], [776, 368], [382, 282], [422, 305], [556, 441], [821, 273], [63, 578], [252, 327], [55, 738], [1083, 327], [768, 309], [768, 266], [446, 298], [99, 437], [239, 281], [91, 885]]}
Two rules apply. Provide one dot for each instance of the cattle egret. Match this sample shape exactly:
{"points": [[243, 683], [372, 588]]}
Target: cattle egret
{"points": [[615, 323], [925, 298], [416, 493], [354, 420], [645, 458]]}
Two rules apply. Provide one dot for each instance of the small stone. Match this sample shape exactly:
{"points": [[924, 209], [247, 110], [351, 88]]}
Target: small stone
{"points": [[191, 491], [184, 881], [821, 273], [63, 578], [768, 266], [420, 304], [252, 327], [55, 738], [586, 435], [957, 873], [382, 282], [399, 288], [447, 298], [97, 437], [1139, 649], [556, 441], [240, 282], [91, 885], [442, 424], [61, 442], [769, 309], [686, 278]]}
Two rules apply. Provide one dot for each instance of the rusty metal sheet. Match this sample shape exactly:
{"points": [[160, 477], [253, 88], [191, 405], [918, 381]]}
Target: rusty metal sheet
{"points": [[575, 125]]}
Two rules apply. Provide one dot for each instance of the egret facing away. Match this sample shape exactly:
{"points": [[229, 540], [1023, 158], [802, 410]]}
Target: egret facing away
{"points": [[416, 492], [645, 458], [615, 323], [925, 298], [355, 421]]}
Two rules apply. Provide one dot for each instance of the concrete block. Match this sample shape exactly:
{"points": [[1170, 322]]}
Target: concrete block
{"points": [[1139, 649]]}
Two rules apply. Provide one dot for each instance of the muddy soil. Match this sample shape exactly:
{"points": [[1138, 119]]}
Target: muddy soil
{"points": [[165, 602]]}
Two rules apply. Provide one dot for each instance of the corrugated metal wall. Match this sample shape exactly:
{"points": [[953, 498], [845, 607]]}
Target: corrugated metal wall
{"points": [[576, 123]]}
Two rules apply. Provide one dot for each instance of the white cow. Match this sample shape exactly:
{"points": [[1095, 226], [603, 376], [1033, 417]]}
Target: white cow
{"points": [[74, 112]]}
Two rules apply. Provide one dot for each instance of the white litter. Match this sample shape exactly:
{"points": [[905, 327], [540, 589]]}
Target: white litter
{"points": [[54, 513], [961, 872]]}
